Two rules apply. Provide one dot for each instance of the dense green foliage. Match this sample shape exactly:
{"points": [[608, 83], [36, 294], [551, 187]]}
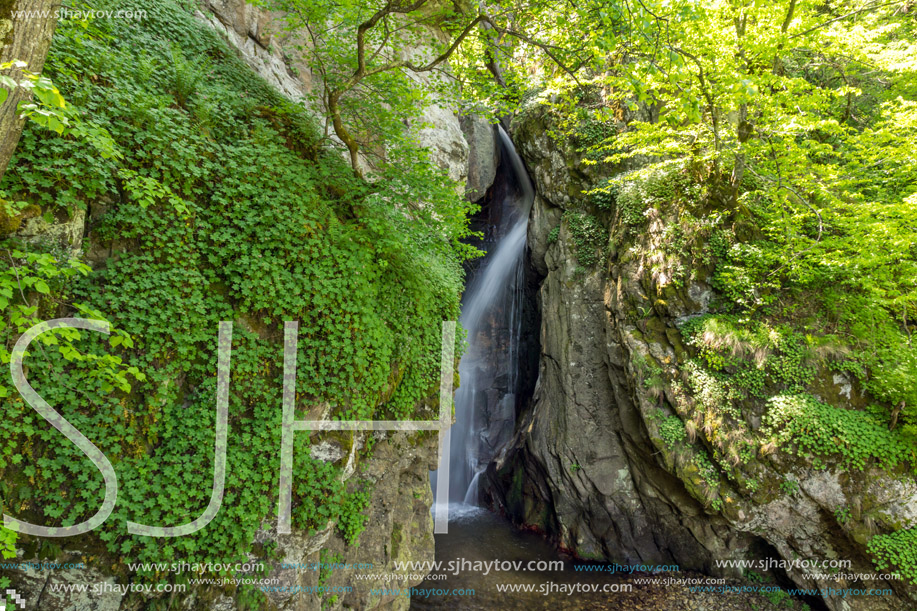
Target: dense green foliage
{"points": [[672, 430], [794, 122], [751, 358], [897, 552], [823, 430], [221, 204], [588, 237], [774, 147]]}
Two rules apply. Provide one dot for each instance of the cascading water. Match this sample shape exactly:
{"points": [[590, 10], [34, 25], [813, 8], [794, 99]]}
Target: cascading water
{"points": [[497, 371], [492, 316]]}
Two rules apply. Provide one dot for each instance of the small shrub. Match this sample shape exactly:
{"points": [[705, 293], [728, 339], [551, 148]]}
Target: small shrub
{"points": [[672, 431], [896, 552], [588, 237], [352, 520], [553, 235], [842, 514]]}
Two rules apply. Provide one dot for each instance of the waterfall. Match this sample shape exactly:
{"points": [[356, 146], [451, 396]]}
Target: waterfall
{"points": [[492, 316]]}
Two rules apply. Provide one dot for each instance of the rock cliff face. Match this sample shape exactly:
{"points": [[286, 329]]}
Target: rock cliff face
{"points": [[588, 464], [580, 466], [399, 528]]}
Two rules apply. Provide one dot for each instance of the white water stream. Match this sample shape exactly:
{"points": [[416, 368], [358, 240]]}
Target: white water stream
{"points": [[492, 316]]}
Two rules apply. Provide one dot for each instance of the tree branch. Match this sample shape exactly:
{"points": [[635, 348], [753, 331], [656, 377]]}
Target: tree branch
{"points": [[370, 23], [544, 47], [789, 16], [850, 14], [364, 70]]}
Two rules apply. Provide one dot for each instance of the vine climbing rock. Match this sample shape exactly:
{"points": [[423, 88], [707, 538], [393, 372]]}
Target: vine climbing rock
{"points": [[26, 29]]}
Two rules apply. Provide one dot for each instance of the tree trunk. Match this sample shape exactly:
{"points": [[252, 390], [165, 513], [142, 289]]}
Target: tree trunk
{"points": [[26, 29], [895, 413], [343, 133]]}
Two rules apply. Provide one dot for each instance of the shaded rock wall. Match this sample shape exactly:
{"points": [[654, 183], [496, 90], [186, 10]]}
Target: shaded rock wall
{"points": [[587, 464]]}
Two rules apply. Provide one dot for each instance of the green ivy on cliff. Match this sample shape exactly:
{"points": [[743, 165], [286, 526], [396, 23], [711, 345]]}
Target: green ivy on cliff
{"points": [[588, 237], [897, 553], [224, 205], [823, 431]]}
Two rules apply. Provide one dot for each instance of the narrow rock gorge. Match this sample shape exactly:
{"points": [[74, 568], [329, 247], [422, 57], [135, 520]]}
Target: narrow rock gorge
{"points": [[591, 464]]}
